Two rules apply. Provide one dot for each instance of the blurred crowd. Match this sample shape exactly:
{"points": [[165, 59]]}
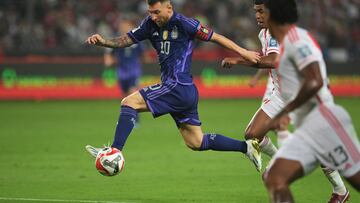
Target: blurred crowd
{"points": [[61, 26]]}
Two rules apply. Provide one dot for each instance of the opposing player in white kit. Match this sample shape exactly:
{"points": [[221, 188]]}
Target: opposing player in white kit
{"points": [[324, 133], [273, 103]]}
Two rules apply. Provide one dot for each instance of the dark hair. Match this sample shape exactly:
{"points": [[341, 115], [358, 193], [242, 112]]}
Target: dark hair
{"points": [[282, 11], [259, 2], [152, 2]]}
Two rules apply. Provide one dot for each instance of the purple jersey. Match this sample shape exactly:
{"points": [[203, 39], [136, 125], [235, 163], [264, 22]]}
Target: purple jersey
{"points": [[174, 45], [129, 61]]}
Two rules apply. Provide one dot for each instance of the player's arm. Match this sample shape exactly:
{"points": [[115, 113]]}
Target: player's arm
{"points": [[259, 74], [118, 42], [265, 62], [312, 83], [227, 43]]}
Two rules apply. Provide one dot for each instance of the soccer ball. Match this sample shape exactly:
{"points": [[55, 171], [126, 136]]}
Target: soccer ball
{"points": [[109, 161]]}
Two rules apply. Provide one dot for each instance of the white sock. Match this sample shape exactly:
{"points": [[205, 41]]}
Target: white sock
{"points": [[282, 136], [335, 180], [267, 146]]}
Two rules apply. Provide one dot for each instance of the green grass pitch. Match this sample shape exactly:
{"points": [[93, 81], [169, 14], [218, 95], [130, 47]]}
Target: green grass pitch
{"points": [[42, 156]]}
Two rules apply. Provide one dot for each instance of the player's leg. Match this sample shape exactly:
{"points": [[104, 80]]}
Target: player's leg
{"points": [[293, 160], [124, 86], [355, 181], [336, 145], [257, 129], [130, 86], [130, 106], [282, 133], [186, 116], [195, 139], [279, 177], [339, 190], [341, 130]]}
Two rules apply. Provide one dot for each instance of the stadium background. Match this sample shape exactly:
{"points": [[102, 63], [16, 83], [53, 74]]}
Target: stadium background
{"points": [[43, 57]]}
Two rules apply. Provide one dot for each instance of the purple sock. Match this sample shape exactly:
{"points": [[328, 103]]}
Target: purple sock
{"points": [[124, 126], [221, 143]]}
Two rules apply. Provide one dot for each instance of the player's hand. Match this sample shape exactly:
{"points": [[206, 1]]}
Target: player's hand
{"points": [[284, 122], [96, 40], [274, 123], [252, 56], [278, 121], [228, 62], [253, 82]]}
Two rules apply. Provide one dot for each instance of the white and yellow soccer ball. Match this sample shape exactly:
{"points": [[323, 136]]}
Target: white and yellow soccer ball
{"points": [[109, 161]]}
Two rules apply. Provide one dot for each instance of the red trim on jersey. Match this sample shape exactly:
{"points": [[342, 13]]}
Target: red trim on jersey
{"points": [[314, 41], [266, 42], [277, 63], [290, 36], [293, 35], [266, 101], [318, 99], [341, 132]]}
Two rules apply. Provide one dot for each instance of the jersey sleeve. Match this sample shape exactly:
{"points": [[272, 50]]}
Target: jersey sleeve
{"points": [[196, 30], [260, 35], [304, 54], [140, 33], [273, 46]]}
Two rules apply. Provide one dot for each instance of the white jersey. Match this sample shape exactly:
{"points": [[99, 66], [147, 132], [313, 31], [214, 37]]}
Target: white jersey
{"points": [[298, 50], [269, 45]]}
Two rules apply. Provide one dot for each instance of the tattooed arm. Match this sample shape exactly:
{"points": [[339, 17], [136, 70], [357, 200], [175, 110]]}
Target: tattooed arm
{"points": [[118, 42]]}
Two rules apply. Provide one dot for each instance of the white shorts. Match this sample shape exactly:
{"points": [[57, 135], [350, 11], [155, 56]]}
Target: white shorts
{"points": [[326, 136], [269, 89], [272, 105]]}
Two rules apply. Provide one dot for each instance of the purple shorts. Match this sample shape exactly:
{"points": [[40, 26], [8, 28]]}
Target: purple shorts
{"points": [[180, 101]]}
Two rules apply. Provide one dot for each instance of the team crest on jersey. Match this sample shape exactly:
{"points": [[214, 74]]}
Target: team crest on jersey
{"points": [[174, 33], [165, 35]]}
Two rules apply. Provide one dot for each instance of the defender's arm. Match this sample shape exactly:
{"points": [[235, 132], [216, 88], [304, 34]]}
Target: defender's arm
{"points": [[265, 62], [311, 85]]}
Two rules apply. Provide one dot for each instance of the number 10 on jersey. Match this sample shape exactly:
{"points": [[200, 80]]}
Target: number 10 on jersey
{"points": [[165, 47]]}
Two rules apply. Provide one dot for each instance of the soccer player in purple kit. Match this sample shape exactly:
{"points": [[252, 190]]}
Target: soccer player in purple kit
{"points": [[172, 35], [128, 61]]}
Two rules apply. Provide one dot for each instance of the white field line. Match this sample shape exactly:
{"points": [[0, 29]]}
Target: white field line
{"points": [[57, 200]]}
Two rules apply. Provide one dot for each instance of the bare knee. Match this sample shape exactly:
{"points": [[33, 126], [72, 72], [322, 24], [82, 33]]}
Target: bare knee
{"points": [[126, 101], [250, 133], [131, 101], [275, 183], [194, 144], [192, 135]]}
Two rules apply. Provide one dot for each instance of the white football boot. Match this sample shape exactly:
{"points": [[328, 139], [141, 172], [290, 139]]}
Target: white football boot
{"points": [[93, 151], [253, 153]]}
